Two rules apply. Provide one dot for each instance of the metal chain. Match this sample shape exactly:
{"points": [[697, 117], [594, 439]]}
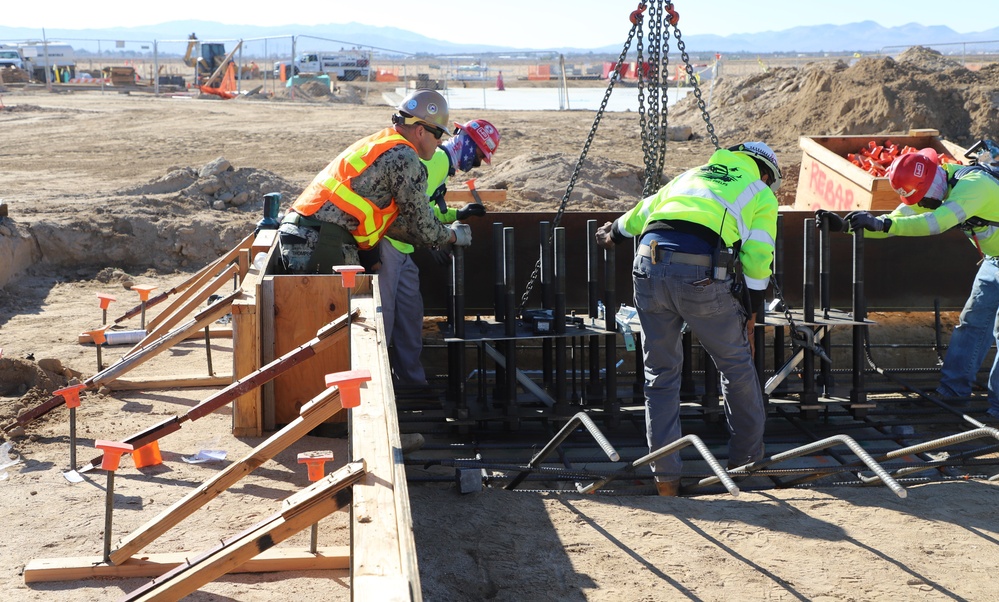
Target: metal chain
{"points": [[693, 81], [586, 149]]}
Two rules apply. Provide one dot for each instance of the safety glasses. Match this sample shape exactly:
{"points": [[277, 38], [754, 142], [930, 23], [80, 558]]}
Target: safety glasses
{"points": [[434, 131]]}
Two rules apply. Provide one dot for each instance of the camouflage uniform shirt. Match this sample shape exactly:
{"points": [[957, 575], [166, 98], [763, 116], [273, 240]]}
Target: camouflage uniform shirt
{"points": [[398, 173]]}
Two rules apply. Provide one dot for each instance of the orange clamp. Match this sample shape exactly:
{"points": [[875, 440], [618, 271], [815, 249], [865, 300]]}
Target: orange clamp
{"points": [[98, 335], [71, 394], [348, 272], [105, 300], [470, 184], [349, 383], [144, 290], [316, 460], [113, 451]]}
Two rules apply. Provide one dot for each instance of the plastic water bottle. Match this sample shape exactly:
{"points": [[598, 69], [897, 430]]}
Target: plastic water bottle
{"points": [[601, 313]]}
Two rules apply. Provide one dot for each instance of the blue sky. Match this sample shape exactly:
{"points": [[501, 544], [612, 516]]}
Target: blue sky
{"points": [[517, 23]]}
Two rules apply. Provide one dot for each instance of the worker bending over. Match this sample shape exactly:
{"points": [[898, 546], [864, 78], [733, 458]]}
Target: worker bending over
{"points": [[936, 198], [376, 186], [704, 238], [398, 275]]}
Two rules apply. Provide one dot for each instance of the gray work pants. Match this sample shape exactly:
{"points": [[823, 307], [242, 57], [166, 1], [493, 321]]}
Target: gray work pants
{"points": [[666, 298], [402, 313]]}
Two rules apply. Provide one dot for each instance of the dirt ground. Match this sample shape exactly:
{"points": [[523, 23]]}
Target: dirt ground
{"points": [[108, 190]]}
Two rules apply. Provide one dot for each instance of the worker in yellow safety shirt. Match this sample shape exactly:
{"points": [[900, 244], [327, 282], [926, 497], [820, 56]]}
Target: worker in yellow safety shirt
{"points": [[375, 187], [937, 197], [693, 235], [398, 275]]}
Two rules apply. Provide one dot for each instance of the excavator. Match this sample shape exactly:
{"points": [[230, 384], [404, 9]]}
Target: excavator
{"points": [[214, 65], [213, 56]]}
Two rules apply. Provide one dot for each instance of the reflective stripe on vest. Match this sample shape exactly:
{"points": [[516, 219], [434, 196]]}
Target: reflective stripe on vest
{"points": [[333, 184]]}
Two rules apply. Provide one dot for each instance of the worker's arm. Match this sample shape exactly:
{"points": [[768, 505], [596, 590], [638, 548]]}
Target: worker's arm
{"points": [[399, 174]]}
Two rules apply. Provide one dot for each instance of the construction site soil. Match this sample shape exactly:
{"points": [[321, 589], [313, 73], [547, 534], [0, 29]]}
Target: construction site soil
{"points": [[107, 190]]}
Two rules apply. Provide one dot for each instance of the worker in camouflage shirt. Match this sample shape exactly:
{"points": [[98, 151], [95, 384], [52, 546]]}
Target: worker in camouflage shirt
{"points": [[375, 187]]}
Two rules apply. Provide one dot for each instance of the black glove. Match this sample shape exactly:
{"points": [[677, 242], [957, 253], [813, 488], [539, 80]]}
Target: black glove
{"points": [[836, 222], [441, 256], [863, 220], [471, 210]]}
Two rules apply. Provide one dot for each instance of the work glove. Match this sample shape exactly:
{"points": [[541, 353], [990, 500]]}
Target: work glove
{"points": [[863, 220], [462, 234], [441, 256], [835, 221], [471, 210]]}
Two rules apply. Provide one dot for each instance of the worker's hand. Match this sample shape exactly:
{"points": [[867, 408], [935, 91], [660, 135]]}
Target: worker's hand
{"points": [[863, 220], [441, 256], [471, 210], [462, 235], [835, 221], [604, 235]]}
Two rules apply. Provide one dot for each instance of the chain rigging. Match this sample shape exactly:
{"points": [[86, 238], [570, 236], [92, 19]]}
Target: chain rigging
{"points": [[653, 123]]}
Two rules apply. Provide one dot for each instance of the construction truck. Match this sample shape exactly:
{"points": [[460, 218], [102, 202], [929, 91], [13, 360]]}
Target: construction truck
{"points": [[345, 65], [212, 56], [58, 59]]}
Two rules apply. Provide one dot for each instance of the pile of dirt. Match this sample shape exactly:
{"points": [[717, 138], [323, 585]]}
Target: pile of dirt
{"points": [[33, 381], [921, 89], [537, 182], [185, 218]]}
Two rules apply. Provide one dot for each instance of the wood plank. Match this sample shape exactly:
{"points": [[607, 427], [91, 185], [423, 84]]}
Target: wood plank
{"points": [[324, 497], [195, 324], [191, 305], [267, 350], [322, 407], [247, 413], [190, 382], [302, 304], [217, 332], [41, 570], [488, 195], [194, 285], [384, 551]]}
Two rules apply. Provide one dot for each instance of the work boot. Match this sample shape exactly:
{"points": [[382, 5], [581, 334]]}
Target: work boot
{"points": [[410, 442], [668, 488]]}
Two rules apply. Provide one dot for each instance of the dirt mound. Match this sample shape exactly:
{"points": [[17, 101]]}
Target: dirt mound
{"points": [[872, 96], [537, 182], [33, 381], [185, 218]]}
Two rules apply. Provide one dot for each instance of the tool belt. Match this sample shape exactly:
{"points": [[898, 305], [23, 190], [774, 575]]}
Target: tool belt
{"points": [[332, 237], [660, 255]]}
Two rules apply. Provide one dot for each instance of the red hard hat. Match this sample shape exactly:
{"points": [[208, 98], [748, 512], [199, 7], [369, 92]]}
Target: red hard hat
{"points": [[912, 174], [484, 134]]}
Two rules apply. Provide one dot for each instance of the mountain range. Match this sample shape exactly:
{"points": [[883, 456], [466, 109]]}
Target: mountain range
{"points": [[864, 36]]}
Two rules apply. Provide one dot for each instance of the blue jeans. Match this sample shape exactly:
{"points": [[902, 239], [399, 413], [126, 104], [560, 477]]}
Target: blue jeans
{"points": [[666, 297], [976, 331]]}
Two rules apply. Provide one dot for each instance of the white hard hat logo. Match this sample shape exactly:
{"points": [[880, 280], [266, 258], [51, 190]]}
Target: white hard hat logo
{"points": [[918, 170]]}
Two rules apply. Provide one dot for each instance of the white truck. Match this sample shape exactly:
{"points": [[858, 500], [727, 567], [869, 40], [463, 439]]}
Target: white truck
{"points": [[345, 65], [58, 58], [10, 57]]}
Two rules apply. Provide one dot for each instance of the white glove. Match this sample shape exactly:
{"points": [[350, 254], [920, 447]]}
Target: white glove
{"points": [[462, 234]]}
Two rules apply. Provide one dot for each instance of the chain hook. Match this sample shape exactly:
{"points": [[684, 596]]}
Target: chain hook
{"points": [[636, 15], [674, 17]]}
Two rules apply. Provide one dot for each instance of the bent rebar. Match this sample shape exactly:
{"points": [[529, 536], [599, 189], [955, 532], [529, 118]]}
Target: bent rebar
{"points": [[579, 419], [855, 447], [666, 450]]}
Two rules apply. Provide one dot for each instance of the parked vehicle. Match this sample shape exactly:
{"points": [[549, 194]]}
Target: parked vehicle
{"points": [[59, 59], [10, 57], [345, 65]]}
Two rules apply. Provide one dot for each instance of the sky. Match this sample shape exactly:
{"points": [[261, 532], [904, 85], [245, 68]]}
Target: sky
{"points": [[513, 23]]}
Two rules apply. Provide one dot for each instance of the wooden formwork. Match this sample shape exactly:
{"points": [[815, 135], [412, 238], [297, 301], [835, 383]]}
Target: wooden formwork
{"points": [[271, 315]]}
